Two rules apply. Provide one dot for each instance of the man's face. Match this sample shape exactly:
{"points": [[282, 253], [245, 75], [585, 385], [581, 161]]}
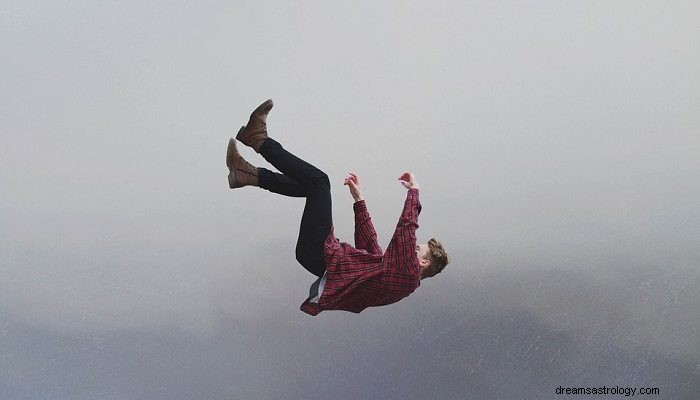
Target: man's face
{"points": [[423, 254], [422, 251]]}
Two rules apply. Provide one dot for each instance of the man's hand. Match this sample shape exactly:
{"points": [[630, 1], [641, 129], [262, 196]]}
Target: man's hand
{"points": [[353, 183], [408, 180]]}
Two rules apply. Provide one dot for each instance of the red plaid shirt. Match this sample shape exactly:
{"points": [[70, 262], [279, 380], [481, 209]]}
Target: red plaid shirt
{"points": [[364, 276]]}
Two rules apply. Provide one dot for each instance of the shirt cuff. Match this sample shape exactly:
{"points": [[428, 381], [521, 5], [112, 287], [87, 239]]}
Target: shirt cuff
{"points": [[359, 204]]}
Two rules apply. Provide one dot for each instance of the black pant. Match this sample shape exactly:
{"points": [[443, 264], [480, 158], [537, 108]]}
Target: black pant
{"points": [[301, 179]]}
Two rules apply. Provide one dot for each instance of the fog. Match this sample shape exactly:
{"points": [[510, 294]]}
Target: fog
{"points": [[556, 146]]}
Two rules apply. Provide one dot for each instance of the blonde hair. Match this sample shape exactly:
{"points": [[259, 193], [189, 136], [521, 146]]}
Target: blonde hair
{"points": [[438, 256]]}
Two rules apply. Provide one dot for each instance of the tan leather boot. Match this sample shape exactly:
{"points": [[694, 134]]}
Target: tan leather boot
{"points": [[241, 172], [255, 132]]}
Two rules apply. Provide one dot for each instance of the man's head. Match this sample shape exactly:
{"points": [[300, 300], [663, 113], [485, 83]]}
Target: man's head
{"points": [[432, 258]]}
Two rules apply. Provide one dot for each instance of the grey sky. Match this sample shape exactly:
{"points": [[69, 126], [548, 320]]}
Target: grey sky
{"points": [[556, 145]]}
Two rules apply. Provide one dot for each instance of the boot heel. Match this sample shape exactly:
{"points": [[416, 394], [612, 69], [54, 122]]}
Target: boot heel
{"points": [[240, 133], [232, 179]]}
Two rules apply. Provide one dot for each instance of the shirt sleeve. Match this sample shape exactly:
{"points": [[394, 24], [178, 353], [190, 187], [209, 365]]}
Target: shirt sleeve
{"points": [[365, 235], [401, 251]]}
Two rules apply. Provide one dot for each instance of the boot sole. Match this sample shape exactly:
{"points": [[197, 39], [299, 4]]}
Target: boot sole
{"points": [[229, 160], [231, 149]]}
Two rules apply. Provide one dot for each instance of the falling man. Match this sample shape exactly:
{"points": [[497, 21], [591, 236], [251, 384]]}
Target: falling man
{"points": [[350, 278]]}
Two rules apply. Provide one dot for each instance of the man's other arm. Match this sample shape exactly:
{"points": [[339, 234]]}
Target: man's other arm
{"points": [[402, 248]]}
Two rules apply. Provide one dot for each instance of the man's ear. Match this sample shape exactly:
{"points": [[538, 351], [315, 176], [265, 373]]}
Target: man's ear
{"points": [[424, 263]]}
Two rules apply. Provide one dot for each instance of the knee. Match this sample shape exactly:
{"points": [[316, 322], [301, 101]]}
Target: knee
{"points": [[300, 255], [322, 180]]}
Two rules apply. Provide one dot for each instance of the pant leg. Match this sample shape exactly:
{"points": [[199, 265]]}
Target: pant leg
{"points": [[315, 226], [280, 184], [290, 165], [317, 219]]}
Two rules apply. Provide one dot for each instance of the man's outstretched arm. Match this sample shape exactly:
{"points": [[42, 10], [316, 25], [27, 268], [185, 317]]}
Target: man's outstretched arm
{"points": [[365, 235], [401, 249], [408, 221]]}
